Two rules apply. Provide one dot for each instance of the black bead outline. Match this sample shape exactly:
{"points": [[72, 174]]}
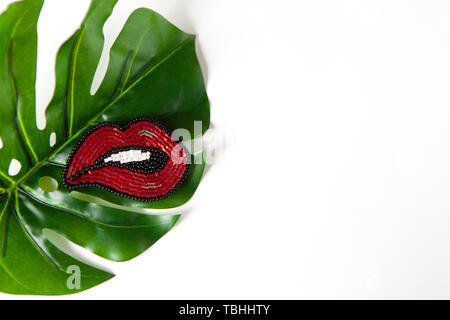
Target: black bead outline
{"points": [[112, 190]]}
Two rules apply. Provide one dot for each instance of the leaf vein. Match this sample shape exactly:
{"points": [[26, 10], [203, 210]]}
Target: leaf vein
{"points": [[25, 141], [49, 203], [29, 235], [71, 83], [2, 263]]}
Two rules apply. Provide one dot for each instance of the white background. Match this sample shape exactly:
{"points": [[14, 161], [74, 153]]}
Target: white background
{"points": [[334, 175]]}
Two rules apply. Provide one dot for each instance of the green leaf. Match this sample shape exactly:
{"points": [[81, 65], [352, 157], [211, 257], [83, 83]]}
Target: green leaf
{"points": [[153, 72]]}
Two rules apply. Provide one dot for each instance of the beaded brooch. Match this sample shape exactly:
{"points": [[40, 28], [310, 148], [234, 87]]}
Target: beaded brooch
{"points": [[140, 161]]}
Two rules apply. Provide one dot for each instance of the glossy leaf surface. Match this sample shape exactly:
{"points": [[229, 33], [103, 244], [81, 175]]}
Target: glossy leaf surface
{"points": [[153, 72]]}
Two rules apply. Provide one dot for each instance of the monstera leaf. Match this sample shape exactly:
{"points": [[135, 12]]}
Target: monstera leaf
{"points": [[153, 72]]}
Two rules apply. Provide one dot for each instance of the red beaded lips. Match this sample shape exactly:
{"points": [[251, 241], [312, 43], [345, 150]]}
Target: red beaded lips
{"points": [[139, 161]]}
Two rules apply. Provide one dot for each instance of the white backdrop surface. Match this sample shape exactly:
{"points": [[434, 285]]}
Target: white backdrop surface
{"points": [[333, 179]]}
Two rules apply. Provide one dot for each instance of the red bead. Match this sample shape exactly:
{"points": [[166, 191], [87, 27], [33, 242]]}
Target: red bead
{"points": [[84, 169]]}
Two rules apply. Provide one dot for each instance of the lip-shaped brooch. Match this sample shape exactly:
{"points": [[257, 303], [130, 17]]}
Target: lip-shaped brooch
{"points": [[139, 161]]}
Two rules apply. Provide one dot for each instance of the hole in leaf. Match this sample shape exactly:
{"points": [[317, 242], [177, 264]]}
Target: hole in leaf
{"points": [[52, 139], [48, 184], [1, 143], [76, 251], [14, 167]]}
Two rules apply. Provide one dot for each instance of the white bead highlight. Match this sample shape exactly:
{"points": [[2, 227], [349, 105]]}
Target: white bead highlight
{"points": [[128, 156]]}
